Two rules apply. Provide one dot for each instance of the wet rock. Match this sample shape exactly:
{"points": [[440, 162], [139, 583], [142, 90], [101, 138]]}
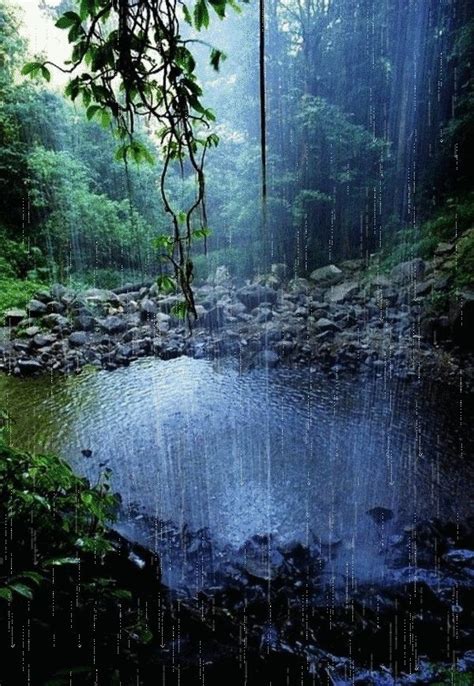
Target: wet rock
{"points": [[267, 358], [380, 515], [381, 281], [57, 291], [279, 270], [324, 324], [148, 309], [166, 304], [54, 306], [113, 324], [328, 275], [407, 272], [84, 322], [424, 287], [461, 314], [444, 249], [31, 331], [42, 340], [463, 558], [101, 295], [255, 294], [29, 366], [44, 296], [213, 319], [78, 338], [342, 292], [55, 320], [14, 316], [36, 308]]}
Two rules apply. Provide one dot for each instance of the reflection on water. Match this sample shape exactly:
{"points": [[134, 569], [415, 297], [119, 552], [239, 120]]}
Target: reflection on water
{"points": [[285, 452]]}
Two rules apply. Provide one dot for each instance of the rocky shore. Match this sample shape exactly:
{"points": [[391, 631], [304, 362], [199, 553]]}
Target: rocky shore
{"points": [[348, 318]]}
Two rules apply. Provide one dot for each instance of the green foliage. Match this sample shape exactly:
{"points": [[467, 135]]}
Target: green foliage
{"points": [[16, 292]]}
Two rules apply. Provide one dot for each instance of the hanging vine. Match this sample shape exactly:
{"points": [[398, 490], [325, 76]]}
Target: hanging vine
{"points": [[130, 61]]}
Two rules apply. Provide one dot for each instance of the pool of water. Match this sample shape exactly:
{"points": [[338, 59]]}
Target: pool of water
{"points": [[281, 452]]}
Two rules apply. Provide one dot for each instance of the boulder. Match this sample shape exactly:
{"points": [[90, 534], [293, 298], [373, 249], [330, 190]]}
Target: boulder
{"points": [[255, 294], [213, 319], [461, 315], [327, 276], [84, 322], [324, 324], [101, 295], [113, 324], [342, 292], [406, 272], [279, 270], [52, 320], [443, 249], [78, 338], [36, 308], [148, 309], [28, 366], [267, 358], [43, 340], [14, 316]]}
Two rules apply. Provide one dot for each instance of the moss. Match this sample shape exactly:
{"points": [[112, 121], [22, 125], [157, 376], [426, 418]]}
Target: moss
{"points": [[464, 269]]}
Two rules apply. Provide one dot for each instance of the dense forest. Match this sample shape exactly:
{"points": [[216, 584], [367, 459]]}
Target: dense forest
{"points": [[236, 354], [369, 146]]}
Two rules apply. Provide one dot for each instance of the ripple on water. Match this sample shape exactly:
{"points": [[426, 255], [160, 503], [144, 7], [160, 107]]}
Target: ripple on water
{"points": [[286, 452]]}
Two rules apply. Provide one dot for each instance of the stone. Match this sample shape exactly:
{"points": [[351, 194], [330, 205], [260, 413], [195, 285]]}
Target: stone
{"points": [[55, 306], [52, 320], [381, 281], [324, 324], [36, 308], [461, 557], [78, 338], [213, 319], [31, 331], [267, 358], [222, 276], [101, 295], [406, 272], [443, 249], [43, 296], [14, 316], [148, 309], [279, 270], [113, 324], [255, 294], [43, 340], [461, 315], [328, 275], [28, 366], [84, 322], [58, 291], [423, 288], [342, 292]]}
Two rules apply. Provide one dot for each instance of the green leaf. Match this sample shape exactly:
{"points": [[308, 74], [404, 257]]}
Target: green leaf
{"points": [[31, 68], [182, 217], [68, 19], [219, 7], [162, 242], [201, 15], [180, 310], [187, 16], [105, 119], [45, 73], [92, 111], [6, 593], [60, 561], [217, 56], [204, 232], [122, 594], [22, 589], [166, 284]]}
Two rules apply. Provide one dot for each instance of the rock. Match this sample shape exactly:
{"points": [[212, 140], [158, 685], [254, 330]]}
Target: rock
{"points": [[406, 272], [267, 358], [279, 270], [328, 275], [101, 295], [324, 324], [43, 340], [28, 366], [255, 294], [113, 324], [14, 316], [461, 315], [148, 309], [462, 557], [55, 306], [167, 304], [84, 322], [423, 288], [381, 281], [36, 308], [222, 276], [444, 249], [78, 338], [43, 296], [380, 515], [52, 320], [31, 331], [57, 291], [340, 293], [213, 319], [299, 285]]}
